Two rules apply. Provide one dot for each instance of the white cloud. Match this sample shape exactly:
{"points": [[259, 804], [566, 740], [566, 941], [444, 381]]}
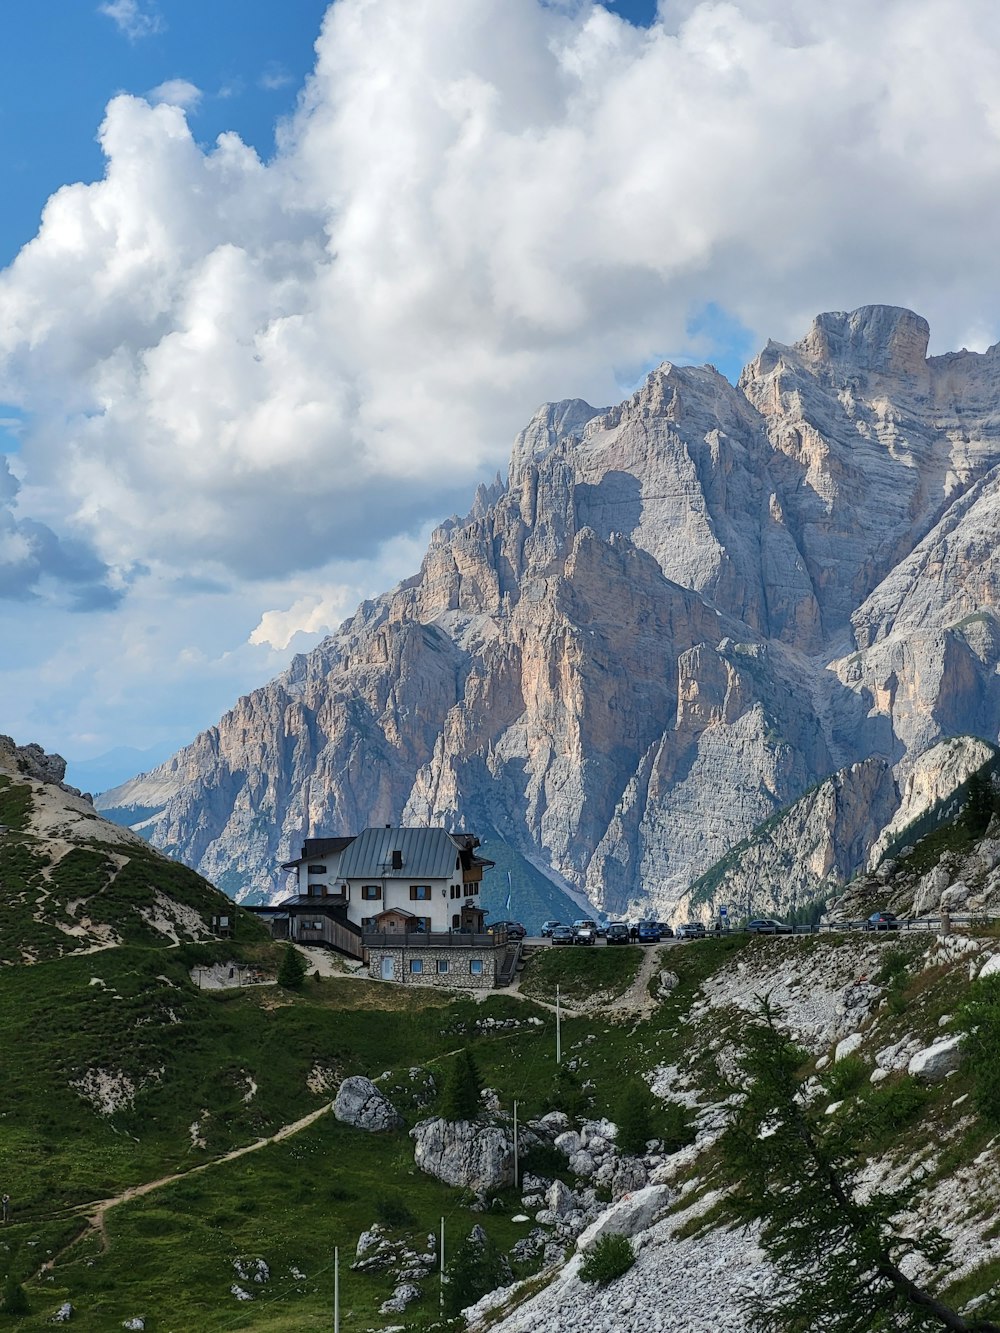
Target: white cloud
{"points": [[274, 78], [315, 613], [176, 92], [263, 369], [132, 18]]}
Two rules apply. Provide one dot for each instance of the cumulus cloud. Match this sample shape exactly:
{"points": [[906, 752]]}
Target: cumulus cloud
{"points": [[133, 18], [268, 367], [311, 614], [34, 561], [176, 92]]}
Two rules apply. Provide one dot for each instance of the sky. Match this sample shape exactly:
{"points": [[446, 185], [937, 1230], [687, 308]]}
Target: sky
{"points": [[280, 283]]}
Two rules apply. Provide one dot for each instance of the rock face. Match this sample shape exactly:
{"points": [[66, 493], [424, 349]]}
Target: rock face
{"points": [[465, 1153], [360, 1103], [676, 617]]}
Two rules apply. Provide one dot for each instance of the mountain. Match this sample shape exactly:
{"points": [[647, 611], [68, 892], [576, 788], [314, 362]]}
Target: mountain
{"points": [[674, 618], [74, 883]]}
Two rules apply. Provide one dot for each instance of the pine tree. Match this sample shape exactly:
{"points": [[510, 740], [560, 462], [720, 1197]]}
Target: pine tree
{"points": [[476, 1267], [461, 1098], [292, 970], [837, 1260]]}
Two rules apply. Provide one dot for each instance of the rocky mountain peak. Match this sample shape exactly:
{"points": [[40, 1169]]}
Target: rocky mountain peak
{"points": [[680, 614]]}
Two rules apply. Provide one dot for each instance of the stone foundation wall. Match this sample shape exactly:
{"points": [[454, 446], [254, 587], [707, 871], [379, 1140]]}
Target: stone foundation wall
{"points": [[458, 960]]}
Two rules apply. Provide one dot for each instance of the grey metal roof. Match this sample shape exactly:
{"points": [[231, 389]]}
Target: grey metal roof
{"points": [[428, 853]]}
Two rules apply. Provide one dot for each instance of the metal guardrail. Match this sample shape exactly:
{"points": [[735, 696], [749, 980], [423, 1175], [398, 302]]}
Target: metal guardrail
{"points": [[432, 939], [902, 923]]}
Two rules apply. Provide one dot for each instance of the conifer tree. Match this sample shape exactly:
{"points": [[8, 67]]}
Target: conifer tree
{"points": [[635, 1118], [292, 970], [462, 1089], [838, 1259], [14, 1300]]}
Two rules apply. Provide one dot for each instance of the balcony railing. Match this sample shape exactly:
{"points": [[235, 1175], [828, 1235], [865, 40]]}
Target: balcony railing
{"points": [[432, 939]]}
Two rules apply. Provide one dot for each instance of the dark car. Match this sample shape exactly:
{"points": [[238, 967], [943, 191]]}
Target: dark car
{"points": [[618, 933], [514, 929], [690, 930], [882, 921], [562, 935], [548, 927], [767, 925], [666, 931], [649, 932], [585, 931]]}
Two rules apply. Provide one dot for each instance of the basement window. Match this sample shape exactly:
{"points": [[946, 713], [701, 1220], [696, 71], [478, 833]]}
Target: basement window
{"points": [[416, 966]]}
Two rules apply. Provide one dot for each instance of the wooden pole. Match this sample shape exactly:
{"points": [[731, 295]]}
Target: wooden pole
{"points": [[516, 1172], [336, 1290], [441, 1296], [558, 1031]]}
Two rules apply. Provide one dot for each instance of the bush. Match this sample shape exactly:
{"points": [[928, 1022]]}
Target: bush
{"points": [[884, 1111], [979, 1018], [392, 1211], [476, 1267], [676, 1127], [609, 1259], [567, 1095], [845, 1077], [14, 1300], [635, 1118]]}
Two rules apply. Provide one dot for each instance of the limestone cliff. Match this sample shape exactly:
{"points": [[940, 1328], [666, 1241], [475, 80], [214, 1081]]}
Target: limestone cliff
{"points": [[676, 616]]}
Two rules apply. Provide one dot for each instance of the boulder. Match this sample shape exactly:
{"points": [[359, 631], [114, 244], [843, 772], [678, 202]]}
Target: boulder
{"points": [[630, 1215], [936, 1062], [990, 968], [465, 1153], [560, 1199], [359, 1103], [400, 1298], [847, 1047], [569, 1142]]}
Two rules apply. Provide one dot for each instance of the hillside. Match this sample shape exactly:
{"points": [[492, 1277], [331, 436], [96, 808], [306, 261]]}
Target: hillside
{"points": [[672, 619], [170, 1147]]}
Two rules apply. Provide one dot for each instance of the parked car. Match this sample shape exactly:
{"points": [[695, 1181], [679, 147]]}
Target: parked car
{"points": [[562, 935], [649, 932], [548, 927], [585, 931], [690, 930], [767, 925], [618, 933], [666, 931], [514, 929], [882, 921]]}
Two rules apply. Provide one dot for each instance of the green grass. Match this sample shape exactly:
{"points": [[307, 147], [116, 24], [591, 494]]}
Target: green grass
{"points": [[581, 971]]}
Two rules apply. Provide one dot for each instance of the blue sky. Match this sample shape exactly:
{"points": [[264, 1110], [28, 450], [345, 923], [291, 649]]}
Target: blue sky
{"points": [[60, 63], [242, 378]]}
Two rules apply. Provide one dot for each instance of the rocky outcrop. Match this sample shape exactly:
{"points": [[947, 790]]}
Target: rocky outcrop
{"points": [[361, 1104], [677, 616], [465, 1153], [937, 1061]]}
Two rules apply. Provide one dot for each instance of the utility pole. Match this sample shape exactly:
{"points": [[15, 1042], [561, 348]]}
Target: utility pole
{"points": [[441, 1297], [558, 1031], [336, 1290], [516, 1171]]}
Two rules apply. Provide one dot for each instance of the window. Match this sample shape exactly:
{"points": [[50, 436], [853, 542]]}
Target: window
{"points": [[476, 967], [443, 965], [367, 923], [420, 893], [317, 870], [421, 923], [416, 965], [456, 891], [314, 891], [470, 889], [456, 921], [371, 891]]}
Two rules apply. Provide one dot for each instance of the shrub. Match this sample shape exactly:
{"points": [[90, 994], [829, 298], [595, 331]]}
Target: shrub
{"points": [[884, 1111], [845, 1077], [979, 1018], [635, 1118], [14, 1300], [476, 1267], [676, 1127], [392, 1211], [545, 1160], [609, 1259]]}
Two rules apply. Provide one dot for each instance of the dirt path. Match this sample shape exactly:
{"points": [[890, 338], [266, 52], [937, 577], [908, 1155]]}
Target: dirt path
{"points": [[96, 1212], [633, 1003]]}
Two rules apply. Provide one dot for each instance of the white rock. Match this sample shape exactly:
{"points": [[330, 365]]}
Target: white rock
{"points": [[936, 1062], [990, 968], [878, 1075], [361, 1104], [627, 1217], [847, 1047]]}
